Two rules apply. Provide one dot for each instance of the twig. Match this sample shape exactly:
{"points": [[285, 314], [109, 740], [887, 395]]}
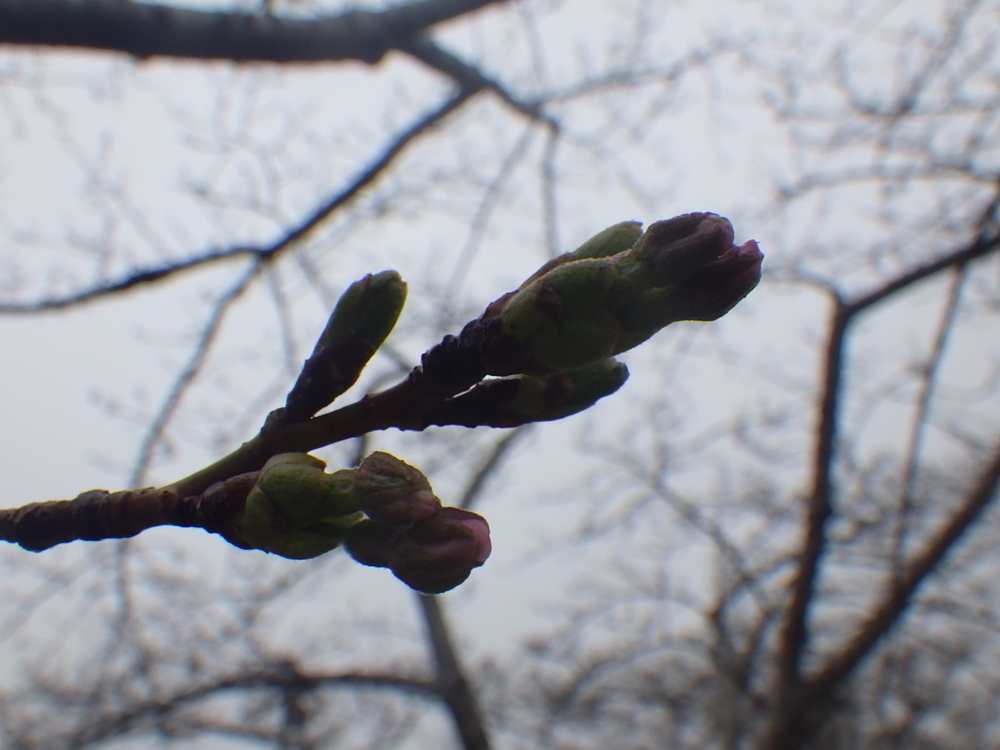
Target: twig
{"points": [[266, 253], [186, 377], [928, 381], [794, 634], [887, 614]]}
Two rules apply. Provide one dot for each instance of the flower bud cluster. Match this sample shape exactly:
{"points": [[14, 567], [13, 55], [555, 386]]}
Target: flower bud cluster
{"points": [[613, 293], [598, 305], [384, 510], [429, 547]]}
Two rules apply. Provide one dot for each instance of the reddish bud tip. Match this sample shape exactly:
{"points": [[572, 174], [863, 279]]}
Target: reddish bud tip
{"points": [[437, 554]]}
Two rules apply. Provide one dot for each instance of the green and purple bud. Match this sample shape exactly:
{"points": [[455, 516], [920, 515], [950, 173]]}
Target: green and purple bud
{"points": [[439, 553], [394, 492], [431, 556], [359, 324], [295, 509], [579, 311]]}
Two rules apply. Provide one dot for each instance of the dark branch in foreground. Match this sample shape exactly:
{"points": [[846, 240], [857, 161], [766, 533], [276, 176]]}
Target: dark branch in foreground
{"points": [[535, 354], [160, 30]]}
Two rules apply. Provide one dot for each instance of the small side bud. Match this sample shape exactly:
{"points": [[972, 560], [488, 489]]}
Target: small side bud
{"points": [[368, 309], [392, 491], [359, 324], [297, 486]]}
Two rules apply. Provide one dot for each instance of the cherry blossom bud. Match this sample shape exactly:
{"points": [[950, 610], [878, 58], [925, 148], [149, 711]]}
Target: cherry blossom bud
{"points": [[359, 324], [575, 312], [372, 542], [295, 509], [392, 491], [438, 553]]}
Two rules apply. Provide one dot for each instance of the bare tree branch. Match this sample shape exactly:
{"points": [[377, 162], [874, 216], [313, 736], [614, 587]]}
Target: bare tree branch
{"points": [[266, 253], [982, 493], [450, 680], [986, 241], [795, 632], [918, 432], [280, 678], [154, 435], [475, 488], [161, 30]]}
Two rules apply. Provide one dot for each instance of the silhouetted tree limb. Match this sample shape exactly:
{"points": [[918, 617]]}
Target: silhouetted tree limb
{"points": [[279, 679], [450, 680], [146, 31], [983, 491], [795, 631], [260, 255]]}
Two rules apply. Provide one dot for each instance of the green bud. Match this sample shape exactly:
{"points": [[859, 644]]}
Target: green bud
{"points": [[562, 317], [368, 309], [588, 386], [296, 510], [360, 323], [392, 491], [610, 241], [263, 527], [576, 312], [303, 492]]}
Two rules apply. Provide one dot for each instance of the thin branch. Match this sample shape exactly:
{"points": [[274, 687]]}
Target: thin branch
{"points": [[277, 679], [138, 278], [484, 212], [550, 206], [468, 76], [983, 492], [928, 381], [987, 240], [263, 253], [475, 488], [154, 435], [145, 31]]}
